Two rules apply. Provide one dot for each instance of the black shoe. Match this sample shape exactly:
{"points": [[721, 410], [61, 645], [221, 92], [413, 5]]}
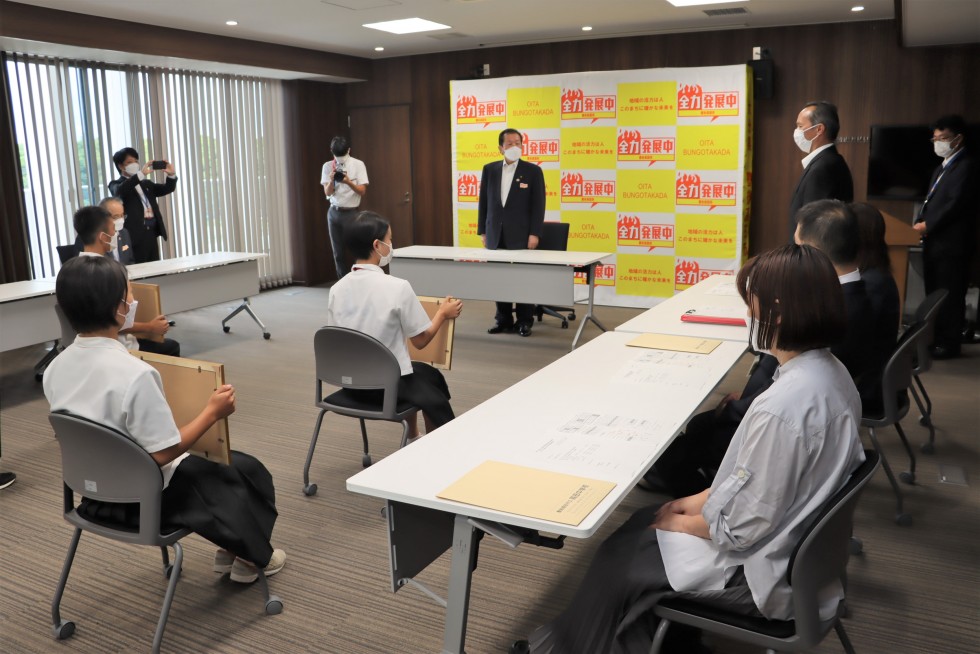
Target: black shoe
{"points": [[945, 351], [520, 647], [652, 482], [524, 330], [500, 329], [7, 478]]}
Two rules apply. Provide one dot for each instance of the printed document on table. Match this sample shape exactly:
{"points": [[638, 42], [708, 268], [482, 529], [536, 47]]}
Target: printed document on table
{"points": [[671, 371], [530, 492], [726, 288]]}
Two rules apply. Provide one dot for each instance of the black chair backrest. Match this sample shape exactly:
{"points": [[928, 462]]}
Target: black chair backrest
{"points": [[820, 558], [897, 375], [103, 464], [68, 332], [554, 236], [352, 359], [927, 312], [66, 252]]}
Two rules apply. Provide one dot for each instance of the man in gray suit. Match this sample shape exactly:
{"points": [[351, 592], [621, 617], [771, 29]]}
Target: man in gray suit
{"points": [[510, 217]]}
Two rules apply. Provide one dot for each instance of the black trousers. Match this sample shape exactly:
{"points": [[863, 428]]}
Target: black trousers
{"points": [[953, 274], [169, 347], [687, 465], [145, 244], [506, 310]]}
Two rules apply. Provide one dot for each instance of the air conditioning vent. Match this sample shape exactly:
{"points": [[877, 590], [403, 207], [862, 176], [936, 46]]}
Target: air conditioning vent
{"points": [[733, 11]]}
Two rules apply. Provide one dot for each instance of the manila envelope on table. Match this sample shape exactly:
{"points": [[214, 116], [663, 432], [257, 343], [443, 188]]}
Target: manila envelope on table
{"points": [[188, 384], [529, 492], [690, 344]]}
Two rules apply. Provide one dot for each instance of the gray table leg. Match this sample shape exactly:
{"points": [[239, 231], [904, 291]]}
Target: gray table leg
{"points": [[460, 575], [588, 314]]}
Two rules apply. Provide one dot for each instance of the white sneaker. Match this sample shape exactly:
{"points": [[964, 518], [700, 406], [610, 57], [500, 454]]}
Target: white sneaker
{"points": [[223, 560], [245, 573]]}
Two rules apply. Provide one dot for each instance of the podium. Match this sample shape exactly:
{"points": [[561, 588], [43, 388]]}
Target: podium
{"points": [[899, 235]]}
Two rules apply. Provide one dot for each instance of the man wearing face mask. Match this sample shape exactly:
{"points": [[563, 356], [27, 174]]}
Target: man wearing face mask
{"points": [[947, 224], [345, 181], [825, 173], [121, 246], [96, 230], [510, 216], [139, 194]]}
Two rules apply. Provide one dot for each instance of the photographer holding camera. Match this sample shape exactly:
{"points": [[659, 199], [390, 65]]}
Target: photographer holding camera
{"points": [[139, 194], [344, 181]]}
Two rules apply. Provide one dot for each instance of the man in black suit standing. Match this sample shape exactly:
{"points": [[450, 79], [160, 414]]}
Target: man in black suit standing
{"points": [[144, 222], [948, 226], [510, 217], [825, 173]]}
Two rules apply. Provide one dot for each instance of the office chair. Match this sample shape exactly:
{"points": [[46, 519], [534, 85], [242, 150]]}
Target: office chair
{"points": [[355, 361], [896, 381], [819, 560], [102, 464], [66, 252], [554, 236], [927, 312]]}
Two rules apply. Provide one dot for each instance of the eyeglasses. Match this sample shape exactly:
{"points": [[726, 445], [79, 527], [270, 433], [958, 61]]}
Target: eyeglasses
{"points": [[943, 139]]}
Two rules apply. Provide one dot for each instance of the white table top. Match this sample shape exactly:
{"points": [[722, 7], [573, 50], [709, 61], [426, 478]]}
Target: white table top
{"points": [[27, 289], [185, 264], [522, 424], [717, 291], [547, 257]]}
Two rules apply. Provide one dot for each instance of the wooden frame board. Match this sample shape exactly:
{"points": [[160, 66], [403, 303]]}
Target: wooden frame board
{"points": [[439, 352], [148, 296], [188, 384]]}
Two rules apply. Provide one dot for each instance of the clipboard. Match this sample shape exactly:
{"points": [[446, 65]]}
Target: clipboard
{"points": [[439, 352], [188, 384], [714, 317], [148, 296]]}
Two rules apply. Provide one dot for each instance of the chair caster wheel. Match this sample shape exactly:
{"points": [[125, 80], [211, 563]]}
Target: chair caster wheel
{"points": [[38, 376], [64, 630], [856, 546], [309, 490], [273, 606], [907, 477], [226, 328], [564, 324], [571, 316], [928, 448], [366, 460], [923, 420], [266, 335], [903, 519]]}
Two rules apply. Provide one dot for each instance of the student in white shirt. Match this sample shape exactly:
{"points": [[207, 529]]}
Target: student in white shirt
{"points": [[386, 308], [96, 378], [795, 448]]}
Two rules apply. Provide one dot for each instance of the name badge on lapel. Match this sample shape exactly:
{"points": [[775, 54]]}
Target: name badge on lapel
{"points": [[523, 185]]}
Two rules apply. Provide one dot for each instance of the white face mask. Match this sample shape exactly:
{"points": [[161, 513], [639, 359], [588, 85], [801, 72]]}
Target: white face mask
{"points": [[130, 315], [513, 153], [754, 336], [132, 168], [386, 258], [801, 140], [342, 159], [112, 242], [943, 148], [118, 223]]}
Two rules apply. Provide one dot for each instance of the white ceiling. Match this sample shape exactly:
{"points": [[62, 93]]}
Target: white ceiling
{"points": [[336, 25]]}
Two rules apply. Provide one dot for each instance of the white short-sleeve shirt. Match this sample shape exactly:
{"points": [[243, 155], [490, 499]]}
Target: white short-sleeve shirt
{"points": [[379, 305], [344, 196], [97, 378]]}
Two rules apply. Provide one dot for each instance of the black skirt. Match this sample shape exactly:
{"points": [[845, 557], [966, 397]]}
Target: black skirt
{"points": [[425, 388]]}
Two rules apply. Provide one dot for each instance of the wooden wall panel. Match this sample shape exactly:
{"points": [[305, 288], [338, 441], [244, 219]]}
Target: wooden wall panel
{"points": [[859, 66]]}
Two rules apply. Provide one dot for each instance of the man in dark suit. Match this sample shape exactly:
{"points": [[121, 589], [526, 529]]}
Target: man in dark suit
{"points": [[511, 216], [144, 222], [688, 464], [825, 173], [948, 224], [123, 250]]}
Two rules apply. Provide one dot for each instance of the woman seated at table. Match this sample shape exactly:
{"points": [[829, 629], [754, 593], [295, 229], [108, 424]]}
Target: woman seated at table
{"points": [[96, 378], [796, 447], [386, 308]]}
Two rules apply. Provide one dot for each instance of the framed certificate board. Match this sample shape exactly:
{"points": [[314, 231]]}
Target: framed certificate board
{"points": [[439, 352], [188, 384]]}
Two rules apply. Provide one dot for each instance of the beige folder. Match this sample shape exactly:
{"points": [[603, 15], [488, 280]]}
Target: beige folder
{"points": [[148, 296], [188, 384], [439, 352]]}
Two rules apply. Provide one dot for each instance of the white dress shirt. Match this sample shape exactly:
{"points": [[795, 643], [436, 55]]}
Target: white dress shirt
{"points": [[507, 180], [344, 197], [813, 155]]}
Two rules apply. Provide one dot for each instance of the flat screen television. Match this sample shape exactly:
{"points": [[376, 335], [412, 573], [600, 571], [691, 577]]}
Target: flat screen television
{"points": [[901, 162]]}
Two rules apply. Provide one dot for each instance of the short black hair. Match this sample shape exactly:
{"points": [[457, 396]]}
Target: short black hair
{"points": [[89, 222], [831, 227], [873, 252], [952, 122], [801, 304], [367, 228], [500, 137], [89, 290], [120, 156], [339, 146], [825, 113]]}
